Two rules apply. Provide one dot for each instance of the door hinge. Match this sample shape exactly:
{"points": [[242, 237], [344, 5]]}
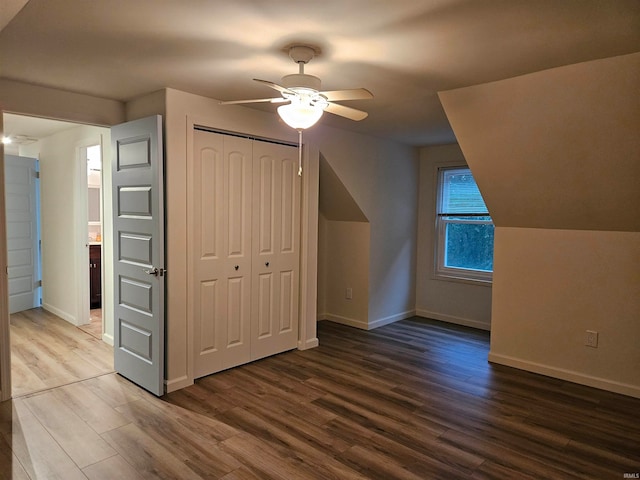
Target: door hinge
{"points": [[37, 174], [39, 283]]}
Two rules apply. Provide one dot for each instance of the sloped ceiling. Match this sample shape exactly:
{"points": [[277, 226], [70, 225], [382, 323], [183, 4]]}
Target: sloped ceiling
{"points": [[404, 51], [335, 202], [557, 149]]}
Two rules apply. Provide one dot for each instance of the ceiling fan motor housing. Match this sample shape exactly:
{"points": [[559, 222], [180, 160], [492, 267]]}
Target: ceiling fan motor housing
{"points": [[302, 80]]}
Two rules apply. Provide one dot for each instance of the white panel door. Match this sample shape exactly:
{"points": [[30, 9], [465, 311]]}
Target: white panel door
{"points": [[221, 251], [23, 252], [276, 249], [138, 245]]}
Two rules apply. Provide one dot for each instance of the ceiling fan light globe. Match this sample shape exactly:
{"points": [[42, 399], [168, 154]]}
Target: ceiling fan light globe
{"points": [[299, 116]]}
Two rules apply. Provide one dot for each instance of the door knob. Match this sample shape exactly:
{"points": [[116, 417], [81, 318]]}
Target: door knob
{"points": [[266, 264], [237, 267], [155, 271]]}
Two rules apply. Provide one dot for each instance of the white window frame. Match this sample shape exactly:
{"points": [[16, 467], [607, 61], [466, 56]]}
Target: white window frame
{"points": [[443, 272]]}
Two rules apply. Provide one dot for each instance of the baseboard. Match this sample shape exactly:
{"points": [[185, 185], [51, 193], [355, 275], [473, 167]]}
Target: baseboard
{"points": [[351, 322], [108, 339], [321, 317], [391, 319], [307, 344], [177, 384], [363, 325], [568, 375], [59, 313], [453, 319]]}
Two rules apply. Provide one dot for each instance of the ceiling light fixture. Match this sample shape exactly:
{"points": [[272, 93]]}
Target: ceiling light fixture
{"points": [[303, 112]]}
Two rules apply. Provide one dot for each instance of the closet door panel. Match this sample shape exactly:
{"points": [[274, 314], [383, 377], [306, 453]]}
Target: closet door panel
{"points": [[276, 254], [222, 251]]}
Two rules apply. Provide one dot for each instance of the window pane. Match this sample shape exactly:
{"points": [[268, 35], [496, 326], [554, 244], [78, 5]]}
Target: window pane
{"points": [[460, 193], [469, 245]]}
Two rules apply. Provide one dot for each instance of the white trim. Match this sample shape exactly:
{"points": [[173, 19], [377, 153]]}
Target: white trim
{"points": [[5, 343], [177, 384], [568, 375], [106, 338], [308, 343], [350, 322], [366, 325], [60, 313], [391, 319], [467, 322]]}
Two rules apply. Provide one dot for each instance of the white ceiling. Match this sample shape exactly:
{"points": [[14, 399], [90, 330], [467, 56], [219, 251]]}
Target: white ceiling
{"points": [[404, 51]]}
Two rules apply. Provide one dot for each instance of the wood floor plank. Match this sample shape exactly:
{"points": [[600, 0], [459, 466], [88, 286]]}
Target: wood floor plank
{"points": [[47, 351], [39, 454], [195, 444], [91, 408], [111, 468], [71, 432], [413, 399], [149, 458], [10, 466]]}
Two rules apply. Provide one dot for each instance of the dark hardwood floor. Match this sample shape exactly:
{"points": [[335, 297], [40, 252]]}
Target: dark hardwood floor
{"points": [[412, 400]]}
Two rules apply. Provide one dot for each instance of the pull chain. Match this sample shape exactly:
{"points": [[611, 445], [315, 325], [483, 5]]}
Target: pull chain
{"points": [[300, 152]]}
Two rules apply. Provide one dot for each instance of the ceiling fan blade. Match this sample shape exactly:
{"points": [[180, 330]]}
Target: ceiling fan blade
{"points": [[347, 112], [275, 86], [353, 94], [257, 100]]}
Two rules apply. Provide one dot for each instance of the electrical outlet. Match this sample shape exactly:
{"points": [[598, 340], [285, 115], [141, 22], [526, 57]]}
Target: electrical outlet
{"points": [[348, 293], [591, 339]]}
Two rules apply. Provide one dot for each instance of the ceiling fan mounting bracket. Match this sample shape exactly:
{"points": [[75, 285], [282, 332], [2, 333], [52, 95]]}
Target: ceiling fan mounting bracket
{"points": [[302, 53]]}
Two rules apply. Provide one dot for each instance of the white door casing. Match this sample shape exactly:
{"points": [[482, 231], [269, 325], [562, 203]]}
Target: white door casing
{"points": [[245, 250], [23, 239], [138, 251]]}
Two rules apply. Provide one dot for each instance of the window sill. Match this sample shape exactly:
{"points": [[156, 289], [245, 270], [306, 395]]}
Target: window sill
{"points": [[458, 279]]}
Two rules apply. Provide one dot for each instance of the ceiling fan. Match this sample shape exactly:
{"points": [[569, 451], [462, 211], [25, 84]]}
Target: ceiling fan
{"points": [[305, 101]]}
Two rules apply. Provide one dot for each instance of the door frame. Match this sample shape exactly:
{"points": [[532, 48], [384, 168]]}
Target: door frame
{"points": [[5, 345], [5, 340], [82, 228]]}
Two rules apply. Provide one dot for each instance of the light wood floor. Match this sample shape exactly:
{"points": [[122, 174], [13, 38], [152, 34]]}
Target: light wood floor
{"points": [[412, 400], [47, 351]]}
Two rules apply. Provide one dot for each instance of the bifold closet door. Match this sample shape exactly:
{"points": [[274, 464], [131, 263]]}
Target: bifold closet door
{"points": [[276, 244], [245, 250], [222, 168]]}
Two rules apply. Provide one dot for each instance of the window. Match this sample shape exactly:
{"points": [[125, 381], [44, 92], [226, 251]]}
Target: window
{"points": [[464, 246]]}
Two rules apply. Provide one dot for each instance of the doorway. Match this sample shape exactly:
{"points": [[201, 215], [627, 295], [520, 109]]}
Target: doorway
{"points": [[63, 149]]}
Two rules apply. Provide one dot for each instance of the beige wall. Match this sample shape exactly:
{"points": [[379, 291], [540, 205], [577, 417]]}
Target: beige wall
{"points": [[557, 148], [382, 178], [18, 97], [346, 258], [464, 303], [553, 286], [555, 154]]}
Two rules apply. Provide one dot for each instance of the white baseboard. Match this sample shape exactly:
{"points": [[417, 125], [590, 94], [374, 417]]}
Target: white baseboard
{"points": [[177, 384], [453, 319], [64, 315], [568, 375], [321, 317], [364, 325], [108, 339], [391, 319], [307, 344], [351, 322]]}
